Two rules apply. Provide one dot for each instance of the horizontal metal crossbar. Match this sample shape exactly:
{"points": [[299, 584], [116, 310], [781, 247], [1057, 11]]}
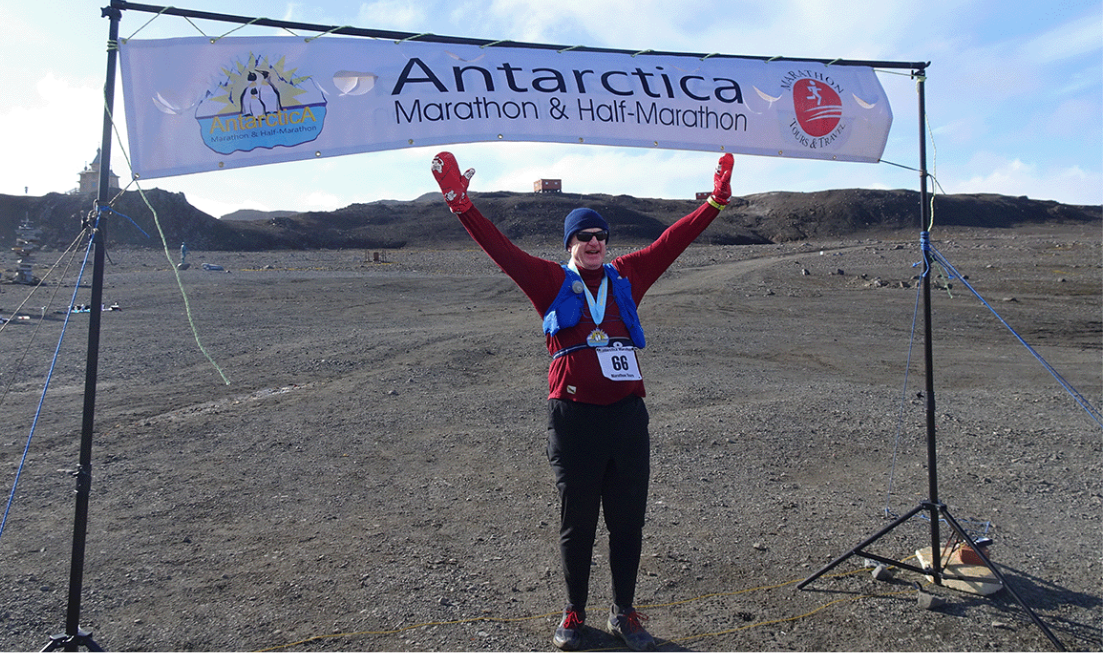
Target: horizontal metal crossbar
{"points": [[435, 38]]}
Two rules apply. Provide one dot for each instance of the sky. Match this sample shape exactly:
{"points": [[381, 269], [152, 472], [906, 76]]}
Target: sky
{"points": [[1014, 96]]}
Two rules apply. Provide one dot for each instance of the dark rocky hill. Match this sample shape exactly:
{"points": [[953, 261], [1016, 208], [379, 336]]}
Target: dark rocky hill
{"points": [[524, 217]]}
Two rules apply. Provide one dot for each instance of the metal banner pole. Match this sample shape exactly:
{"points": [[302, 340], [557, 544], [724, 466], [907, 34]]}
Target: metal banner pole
{"points": [[74, 636]]}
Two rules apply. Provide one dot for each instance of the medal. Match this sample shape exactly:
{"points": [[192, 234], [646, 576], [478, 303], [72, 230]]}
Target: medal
{"points": [[597, 338]]}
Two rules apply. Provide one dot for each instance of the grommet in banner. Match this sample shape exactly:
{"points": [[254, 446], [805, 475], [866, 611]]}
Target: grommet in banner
{"points": [[655, 143], [582, 140], [317, 154], [780, 153], [221, 165], [500, 137], [410, 142]]}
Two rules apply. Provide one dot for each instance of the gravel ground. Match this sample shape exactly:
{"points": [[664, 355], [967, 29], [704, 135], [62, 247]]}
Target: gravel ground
{"points": [[373, 476]]}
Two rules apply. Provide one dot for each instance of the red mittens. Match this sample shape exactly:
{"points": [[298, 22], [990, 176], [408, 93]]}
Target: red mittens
{"points": [[454, 185], [721, 183]]}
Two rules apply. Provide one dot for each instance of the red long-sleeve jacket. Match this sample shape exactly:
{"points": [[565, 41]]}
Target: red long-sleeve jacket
{"points": [[577, 376]]}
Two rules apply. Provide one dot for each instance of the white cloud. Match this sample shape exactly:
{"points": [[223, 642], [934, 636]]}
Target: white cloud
{"points": [[1015, 177], [52, 135]]}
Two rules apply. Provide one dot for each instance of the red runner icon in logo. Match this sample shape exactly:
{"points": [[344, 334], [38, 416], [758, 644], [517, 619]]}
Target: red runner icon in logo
{"points": [[818, 107]]}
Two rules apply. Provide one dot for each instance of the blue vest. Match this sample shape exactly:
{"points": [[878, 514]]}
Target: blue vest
{"points": [[566, 310]]}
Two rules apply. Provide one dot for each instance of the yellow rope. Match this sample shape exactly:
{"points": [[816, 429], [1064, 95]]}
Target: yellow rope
{"points": [[413, 627], [311, 38], [216, 39], [934, 166], [155, 17], [164, 244], [394, 631], [180, 284], [759, 624], [413, 37]]}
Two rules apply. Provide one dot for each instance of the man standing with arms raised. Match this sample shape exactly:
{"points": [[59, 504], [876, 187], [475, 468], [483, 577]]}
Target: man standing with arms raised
{"points": [[598, 441]]}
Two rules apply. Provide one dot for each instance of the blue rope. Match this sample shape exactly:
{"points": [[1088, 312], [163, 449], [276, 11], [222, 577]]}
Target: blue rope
{"points": [[49, 376], [932, 253], [1092, 411], [111, 210]]}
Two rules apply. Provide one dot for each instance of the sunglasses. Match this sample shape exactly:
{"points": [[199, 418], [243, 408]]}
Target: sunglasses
{"points": [[585, 236]]}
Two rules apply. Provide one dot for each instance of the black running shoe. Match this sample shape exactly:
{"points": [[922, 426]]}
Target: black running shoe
{"points": [[568, 635], [626, 625]]}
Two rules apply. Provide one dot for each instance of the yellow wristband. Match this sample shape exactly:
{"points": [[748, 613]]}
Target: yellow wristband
{"points": [[716, 205]]}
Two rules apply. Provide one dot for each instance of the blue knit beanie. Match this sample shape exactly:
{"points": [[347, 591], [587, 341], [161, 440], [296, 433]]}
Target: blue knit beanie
{"points": [[580, 219]]}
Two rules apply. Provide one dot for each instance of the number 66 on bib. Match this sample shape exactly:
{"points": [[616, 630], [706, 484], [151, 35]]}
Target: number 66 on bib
{"points": [[618, 363]]}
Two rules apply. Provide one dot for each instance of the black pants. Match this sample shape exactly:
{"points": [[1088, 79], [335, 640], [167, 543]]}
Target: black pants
{"points": [[601, 459]]}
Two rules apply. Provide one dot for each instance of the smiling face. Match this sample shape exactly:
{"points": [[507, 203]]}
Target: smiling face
{"points": [[588, 255]]}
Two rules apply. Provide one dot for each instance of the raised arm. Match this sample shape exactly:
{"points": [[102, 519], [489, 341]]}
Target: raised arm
{"points": [[538, 278], [645, 266]]}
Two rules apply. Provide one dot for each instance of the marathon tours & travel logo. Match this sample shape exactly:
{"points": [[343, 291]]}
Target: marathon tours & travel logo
{"points": [[818, 108], [260, 104]]}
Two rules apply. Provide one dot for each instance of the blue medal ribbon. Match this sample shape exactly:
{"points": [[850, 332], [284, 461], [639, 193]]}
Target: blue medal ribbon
{"points": [[597, 306]]}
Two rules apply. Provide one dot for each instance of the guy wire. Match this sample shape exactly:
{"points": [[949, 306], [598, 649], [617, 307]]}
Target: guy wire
{"points": [[50, 302], [952, 273], [48, 273], [46, 386], [903, 401]]}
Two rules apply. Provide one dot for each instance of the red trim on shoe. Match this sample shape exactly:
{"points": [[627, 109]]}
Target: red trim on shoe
{"points": [[572, 620]]}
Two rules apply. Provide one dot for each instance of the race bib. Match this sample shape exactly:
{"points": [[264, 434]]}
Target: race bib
{"points": [[619, 363]]}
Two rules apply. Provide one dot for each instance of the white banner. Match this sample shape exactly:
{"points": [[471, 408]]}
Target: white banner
{"points": [[193, 105]]}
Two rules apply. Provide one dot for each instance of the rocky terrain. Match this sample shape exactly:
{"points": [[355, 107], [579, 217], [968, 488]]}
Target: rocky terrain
{"points": [[353, 459]]}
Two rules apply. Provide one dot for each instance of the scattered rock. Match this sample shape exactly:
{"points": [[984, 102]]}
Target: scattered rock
{"points": [[930, 601], [882, 573]]}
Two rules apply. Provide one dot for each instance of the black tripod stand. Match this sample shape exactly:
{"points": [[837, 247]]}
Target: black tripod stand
{"points": [[932, 505]]}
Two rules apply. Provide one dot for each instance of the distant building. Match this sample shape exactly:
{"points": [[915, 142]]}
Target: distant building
{"points": [[547, 186], [703, 196], [90, 177]]}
